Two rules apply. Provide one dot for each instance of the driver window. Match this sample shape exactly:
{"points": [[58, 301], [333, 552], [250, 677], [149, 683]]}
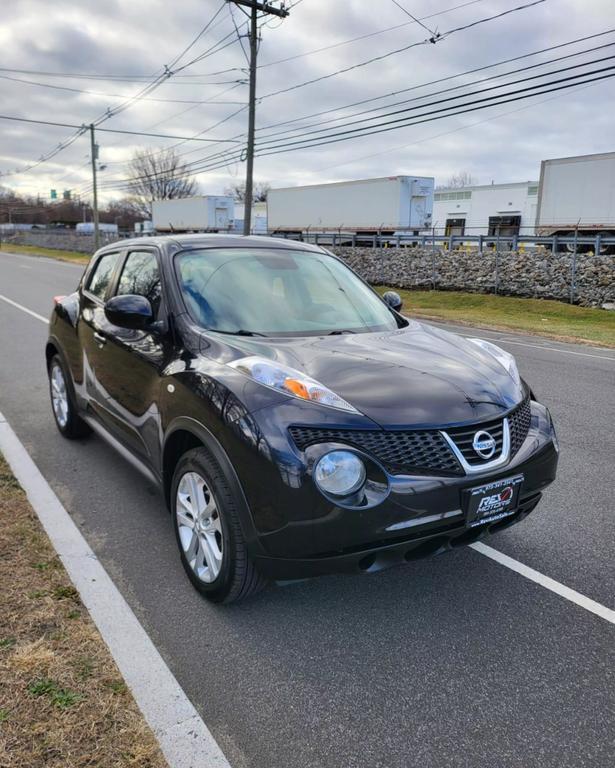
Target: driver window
{"points": [[141, 276]]}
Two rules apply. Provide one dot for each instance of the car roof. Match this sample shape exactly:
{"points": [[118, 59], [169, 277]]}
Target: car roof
{"points": [[201, 240]]}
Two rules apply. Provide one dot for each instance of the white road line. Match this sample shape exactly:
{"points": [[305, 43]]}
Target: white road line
{"points": [[24, 309], [551, 349], [545, 581], [185, 740], [463, 330]]}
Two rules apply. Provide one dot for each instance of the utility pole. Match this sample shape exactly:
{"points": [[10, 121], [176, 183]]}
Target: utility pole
{"points": [[266, 9], [94, 153]]}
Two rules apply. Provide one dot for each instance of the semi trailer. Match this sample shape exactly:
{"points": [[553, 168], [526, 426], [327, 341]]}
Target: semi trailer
{"points": [[393, 205], [207, 213], [576, 198]]}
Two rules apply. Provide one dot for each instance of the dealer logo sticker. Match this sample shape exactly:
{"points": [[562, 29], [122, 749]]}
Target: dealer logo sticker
{"points": [[484, 444], [496, 501]]}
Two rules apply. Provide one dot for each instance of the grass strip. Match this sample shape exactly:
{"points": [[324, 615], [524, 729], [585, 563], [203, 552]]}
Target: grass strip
{"points": [[554, 319], [63, 701], [53, 253]]}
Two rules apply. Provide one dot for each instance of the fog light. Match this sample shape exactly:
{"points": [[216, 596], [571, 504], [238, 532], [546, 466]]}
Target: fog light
{"points": [[339, 473]]}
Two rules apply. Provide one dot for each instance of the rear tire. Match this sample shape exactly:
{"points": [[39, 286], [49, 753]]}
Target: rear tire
{"points": [[205, 511], [63, 405]]}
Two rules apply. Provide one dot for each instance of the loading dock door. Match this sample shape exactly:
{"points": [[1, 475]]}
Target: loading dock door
{"points": [[506, 226], [455, 227]]}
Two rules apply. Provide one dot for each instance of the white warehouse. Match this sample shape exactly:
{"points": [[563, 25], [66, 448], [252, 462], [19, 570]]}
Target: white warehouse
{"points": [[492, 209]]}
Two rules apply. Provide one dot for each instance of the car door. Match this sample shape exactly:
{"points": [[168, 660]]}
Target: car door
{"points": [[134, 359], [92, 327]]}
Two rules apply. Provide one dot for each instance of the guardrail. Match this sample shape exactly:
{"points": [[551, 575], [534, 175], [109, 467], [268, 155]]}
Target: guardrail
{"points": [[569, 244]]}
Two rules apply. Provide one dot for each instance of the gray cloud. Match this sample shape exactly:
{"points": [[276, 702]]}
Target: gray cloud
{"points": [[501, 143]]}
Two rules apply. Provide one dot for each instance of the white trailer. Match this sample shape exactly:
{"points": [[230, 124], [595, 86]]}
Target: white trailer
{"points": [[394, 204], [490, 209], [144, 227], [208, 213], [258, 225], [87, 228], [577, 194]]}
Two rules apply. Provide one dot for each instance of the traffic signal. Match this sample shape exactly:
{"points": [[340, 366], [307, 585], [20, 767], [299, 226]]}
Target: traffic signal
{"points": [[66, 195], [54, 194]]}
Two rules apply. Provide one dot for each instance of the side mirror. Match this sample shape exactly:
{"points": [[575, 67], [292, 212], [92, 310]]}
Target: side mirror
{"points": [[393, 300], [129, 311]]}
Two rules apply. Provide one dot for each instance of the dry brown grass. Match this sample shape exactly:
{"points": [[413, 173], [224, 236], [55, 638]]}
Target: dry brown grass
{"points": [[63, 703]]}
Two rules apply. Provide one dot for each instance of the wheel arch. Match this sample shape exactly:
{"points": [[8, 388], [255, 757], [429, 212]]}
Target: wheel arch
{"points": [[51, 348], [185, 433]]}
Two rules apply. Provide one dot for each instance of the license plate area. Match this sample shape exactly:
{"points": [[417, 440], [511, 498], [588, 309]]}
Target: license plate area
{"points": [[492, 501]]}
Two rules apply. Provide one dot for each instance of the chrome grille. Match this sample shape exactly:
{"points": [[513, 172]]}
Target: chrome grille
{"points": [[423, 451], [463, 438]]}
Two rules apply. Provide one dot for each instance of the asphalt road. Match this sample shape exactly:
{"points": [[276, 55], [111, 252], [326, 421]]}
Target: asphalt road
{"points": [[453, 661]]}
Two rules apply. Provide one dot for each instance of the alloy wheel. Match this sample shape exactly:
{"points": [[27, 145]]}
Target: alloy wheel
{"points": [[59, 395], [199, 525]]}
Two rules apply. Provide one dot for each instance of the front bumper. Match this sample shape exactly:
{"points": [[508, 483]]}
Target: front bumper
{"points": [[374, 559], [298, 533]]}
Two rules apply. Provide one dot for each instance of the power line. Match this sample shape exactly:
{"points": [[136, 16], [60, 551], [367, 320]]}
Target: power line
{"points": [[83, 128], [455, 130], [113, 95], [245, 54], [444, 79], [114, 78], [335, 139], [367, 35], [158, 80], [417, 21], [197, 38], [266, 10], [400, 50], [449, 98], [450, 32], [520, 94], [428, 117], [441, 80]]}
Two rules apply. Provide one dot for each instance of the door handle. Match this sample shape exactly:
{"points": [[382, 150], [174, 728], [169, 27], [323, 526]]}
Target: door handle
{"points": [[99, 338]]}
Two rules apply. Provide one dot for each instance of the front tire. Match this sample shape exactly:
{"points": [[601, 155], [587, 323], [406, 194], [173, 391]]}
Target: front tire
{"points": [[63, 406], [206, 521]]}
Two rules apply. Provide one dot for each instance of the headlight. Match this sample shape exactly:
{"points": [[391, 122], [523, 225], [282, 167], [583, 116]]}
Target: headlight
{"points": [[339, 473], [503, 357], [289, 381]]}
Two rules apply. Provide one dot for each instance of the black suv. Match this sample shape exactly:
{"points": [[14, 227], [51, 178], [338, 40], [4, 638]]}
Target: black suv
{"points": [[295, 421]]}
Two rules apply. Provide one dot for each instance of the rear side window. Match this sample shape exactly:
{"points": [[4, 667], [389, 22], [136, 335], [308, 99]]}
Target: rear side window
{"points": [[141, 276], [101, 276]]}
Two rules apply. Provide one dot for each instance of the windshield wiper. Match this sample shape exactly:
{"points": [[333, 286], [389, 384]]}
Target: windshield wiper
{"points": [[240, 332], [340, 332]]}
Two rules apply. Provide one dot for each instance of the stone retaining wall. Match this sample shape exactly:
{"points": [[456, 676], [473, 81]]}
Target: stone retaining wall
{"points": [[530, 274], [536, 274], [63, 240]]}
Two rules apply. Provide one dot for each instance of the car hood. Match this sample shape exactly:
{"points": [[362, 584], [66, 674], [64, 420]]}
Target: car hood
{"points": [[418, 376]]}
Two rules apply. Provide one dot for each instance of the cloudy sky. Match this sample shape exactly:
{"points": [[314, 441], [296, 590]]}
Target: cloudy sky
{"points": [[116, 40]]}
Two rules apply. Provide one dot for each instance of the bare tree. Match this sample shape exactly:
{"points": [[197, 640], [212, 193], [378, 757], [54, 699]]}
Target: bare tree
{"points": [[123, 212], [155, 175], [259, 191], [461, 179]]}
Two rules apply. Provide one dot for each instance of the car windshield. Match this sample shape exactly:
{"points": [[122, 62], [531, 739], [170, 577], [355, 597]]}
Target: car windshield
{"points": [[277, 292]]}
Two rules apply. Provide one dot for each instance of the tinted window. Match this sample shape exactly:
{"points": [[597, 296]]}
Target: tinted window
{"points": [[141, 276], [101, 276], [277, 291]]}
